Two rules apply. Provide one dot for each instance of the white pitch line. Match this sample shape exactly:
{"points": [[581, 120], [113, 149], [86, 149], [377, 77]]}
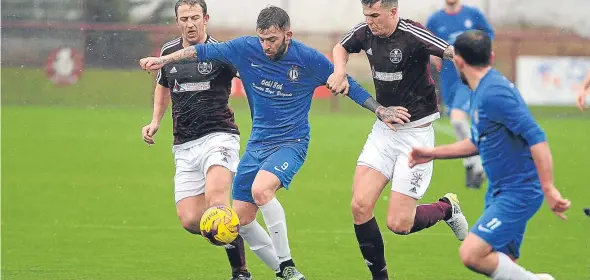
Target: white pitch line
{"points": [[304, 231]]}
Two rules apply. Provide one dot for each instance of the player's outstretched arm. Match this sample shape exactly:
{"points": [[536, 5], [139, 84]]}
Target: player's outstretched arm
{"points": [[337, 82], [544, 163], [461, 149], [155, 63], [581, 99]]}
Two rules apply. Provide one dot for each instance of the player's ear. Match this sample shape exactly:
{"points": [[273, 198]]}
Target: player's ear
{"points": [[459, 62], [492, 57], [288, 35], [393, 11], [206, 19]]}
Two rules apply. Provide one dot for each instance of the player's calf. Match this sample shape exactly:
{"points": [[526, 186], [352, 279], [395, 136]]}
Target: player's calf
{"points": [[189, 211]]}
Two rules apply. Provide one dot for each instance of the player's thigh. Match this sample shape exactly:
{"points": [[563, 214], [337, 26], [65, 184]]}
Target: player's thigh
{"points": [[283, 162], [221, 158], [412, 182], [246, 172], [448, 88], [189, 179], [377, 154], [367, 186], [503, 223], [461, 102]]}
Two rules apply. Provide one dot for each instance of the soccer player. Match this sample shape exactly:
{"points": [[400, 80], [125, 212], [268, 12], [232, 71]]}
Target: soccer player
{"points": [[516, 159], [399, 54], [584, 87], [448, 23], [280, 75], [206, 138]]}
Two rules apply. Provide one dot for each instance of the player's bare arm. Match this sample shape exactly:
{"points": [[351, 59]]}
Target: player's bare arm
{"points": [[581, 99], [161, 101], [337, 82], [155, 63], [389, 115], [544, 163], [461, 149]]}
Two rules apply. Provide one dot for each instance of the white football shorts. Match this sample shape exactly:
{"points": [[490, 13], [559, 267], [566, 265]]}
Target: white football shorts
{"points": [[193, 159], [387, 152]]}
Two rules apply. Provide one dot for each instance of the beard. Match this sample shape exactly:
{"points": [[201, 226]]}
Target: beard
{"points": [[280, 51], [463, 79]]}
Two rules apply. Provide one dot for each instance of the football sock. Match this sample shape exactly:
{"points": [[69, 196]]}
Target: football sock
{"points": [[509, 270], [236, 255], [462, 132], [371, 245], [274, 218], [260, 243], [428, 215]]}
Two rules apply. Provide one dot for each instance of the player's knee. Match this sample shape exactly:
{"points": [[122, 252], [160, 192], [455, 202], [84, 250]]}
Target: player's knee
{"points": [[362, 210], [399, 225], [190, 222], [262, 195], [246, 212], [468, 257]]}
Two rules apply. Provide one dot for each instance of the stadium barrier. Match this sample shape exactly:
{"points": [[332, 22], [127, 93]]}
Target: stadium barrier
{"points": [[106, 46]]}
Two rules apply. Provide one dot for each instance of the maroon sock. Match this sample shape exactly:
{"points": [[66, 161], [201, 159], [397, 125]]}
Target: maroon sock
{"points": [[428, 215], [236, 255]]}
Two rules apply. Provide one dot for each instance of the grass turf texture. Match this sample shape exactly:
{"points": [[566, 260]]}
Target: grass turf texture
{"points": [[84, 198]]}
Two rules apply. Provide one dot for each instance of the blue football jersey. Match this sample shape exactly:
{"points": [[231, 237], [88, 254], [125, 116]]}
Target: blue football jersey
{"points": [[449, 26], [280, 91], [503, 130]]}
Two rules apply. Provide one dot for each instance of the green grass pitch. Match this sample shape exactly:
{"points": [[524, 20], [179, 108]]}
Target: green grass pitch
{"points": [[84, 198]]}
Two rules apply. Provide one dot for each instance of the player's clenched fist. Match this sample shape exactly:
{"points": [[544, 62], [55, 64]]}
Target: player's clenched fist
{"points": [[148, 132], [151, 63], [392, 115], [338, 83]]}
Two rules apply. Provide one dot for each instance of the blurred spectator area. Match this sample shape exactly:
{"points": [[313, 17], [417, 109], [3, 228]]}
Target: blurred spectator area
{"points": [[101, 30]]}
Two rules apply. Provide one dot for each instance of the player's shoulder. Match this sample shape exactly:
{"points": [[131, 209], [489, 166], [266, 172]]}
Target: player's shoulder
{"points": [[472, 9], [171, 46], [434, 17], [212, 40], [411, 26], [497, 85], [359, 27]]}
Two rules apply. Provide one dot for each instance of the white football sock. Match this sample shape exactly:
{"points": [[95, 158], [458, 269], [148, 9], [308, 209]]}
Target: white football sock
{"points": [[509, 270], [260, 243], [274, 218]]}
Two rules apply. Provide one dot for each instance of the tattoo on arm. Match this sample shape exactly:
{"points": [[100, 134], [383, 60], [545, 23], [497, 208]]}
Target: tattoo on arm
{"points": [[371, 104], [449, 53], [186, 53]]}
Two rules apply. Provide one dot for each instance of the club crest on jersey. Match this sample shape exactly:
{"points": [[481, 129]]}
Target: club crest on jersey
{"points": [[293, 73], [395, 56], [205, 67]]}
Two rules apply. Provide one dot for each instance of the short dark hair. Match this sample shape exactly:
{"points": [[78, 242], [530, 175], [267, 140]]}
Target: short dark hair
{"points": [[191, 3], [475, 47], [369, 3], [273, 16]]}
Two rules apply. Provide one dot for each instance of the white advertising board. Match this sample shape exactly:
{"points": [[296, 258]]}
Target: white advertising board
{"points": [[548, 80]]}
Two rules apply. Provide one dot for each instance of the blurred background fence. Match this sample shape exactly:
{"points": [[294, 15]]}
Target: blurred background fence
{"points": [[114, 34]]}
